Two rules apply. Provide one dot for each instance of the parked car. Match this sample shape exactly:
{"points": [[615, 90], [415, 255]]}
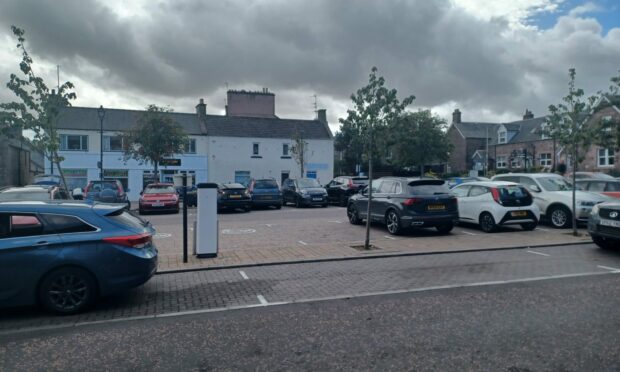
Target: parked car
{"points": [[191, 197], [588, 175], [265, 193], [160, 197], [34, 193], [233, 196], [47, 179], [609, 187], [401, 203], [453, 181], [494, 204], [64, 255], [106, 191], [340, 189], [553, 196], [604, 225], [303, 192]]}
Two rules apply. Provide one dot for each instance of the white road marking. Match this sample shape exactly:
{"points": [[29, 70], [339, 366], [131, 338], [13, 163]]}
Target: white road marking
{"points": [[612, 269], [262, 300], [302, 242], [335, 221], [309, 300], [540, 253], [538, 228], [268, 225], [389, 237], [468, 233], [162, 236], [244, 275]]}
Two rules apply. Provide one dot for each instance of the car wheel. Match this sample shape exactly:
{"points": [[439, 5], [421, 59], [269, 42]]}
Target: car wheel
{"points": [[487, 222], [324, 205], [560, 217], [343, 201], [392, 221], [297, 203], [354, 217], [603, 243], [279, 206], [67, 290], [247, 208], [445, 228], [529, 226]]}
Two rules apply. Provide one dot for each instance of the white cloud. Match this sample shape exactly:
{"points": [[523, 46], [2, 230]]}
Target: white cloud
{"points": [[516, 12], [586, 8]]}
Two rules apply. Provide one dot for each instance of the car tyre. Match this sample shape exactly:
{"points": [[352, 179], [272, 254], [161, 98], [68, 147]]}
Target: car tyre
{"points": [[354, 217], [392, 221], [68, 290], [603, 243], [445, 228], [279, 206], [343, 201], [324, 205], [487, 222], [560, 217], [529, 226], [297, 203]]}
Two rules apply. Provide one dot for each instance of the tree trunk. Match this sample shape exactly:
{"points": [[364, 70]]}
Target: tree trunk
{"points": [[574, 214], [422, 170], [60, 172], [367, 240]]}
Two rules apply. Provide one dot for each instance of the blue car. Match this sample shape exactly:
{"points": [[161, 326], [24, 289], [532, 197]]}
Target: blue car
{"points": [[265, 193], [64, 255]]}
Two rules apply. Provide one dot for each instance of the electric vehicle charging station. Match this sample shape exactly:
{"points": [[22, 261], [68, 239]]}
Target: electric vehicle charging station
{"points": [[207, 226]]}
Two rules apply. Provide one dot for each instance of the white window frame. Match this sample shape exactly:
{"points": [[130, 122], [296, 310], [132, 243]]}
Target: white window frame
{"points": [[545, 159], [605, 157], [502, 136], [515, 162], [106, 143], [286, 149], [501, 162], [64, 142], [190, 146]]}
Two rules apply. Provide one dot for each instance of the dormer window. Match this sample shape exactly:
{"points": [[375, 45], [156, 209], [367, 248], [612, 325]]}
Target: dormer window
{"points": [[543, 128], [502, 136]]}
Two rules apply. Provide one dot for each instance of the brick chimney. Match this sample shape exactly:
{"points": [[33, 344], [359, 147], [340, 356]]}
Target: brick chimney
{"points": [[456, 116], [528, 115], [260, 104], [201, 109], [322, 115]]}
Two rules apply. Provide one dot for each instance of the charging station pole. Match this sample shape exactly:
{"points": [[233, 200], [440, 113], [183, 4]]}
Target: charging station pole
{"points": [[185, 218]]}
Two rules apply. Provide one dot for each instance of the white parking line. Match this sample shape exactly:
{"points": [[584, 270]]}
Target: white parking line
{"points": [[262, 300], [389, 237], [244, 275], [268, 224], [302, 242], [540, 253], [468, 233], [335, 221], [613, 269], [545, 230]]}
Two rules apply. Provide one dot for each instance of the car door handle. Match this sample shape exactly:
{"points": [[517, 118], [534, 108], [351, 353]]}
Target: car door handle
{"points": [[41, 243]]}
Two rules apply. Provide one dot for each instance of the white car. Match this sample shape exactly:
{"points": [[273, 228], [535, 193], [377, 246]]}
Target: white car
{"points": [[553, 196], [492, 204]]}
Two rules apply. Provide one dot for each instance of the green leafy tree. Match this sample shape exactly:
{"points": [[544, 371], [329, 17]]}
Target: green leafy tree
{"points": [[298, 150], [375, 108], [154, 137], [609, 130], [567, 124], [37, 108], [419, 138]]}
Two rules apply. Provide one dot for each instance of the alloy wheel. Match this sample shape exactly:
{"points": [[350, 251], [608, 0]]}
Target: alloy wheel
{"points": [[393, 223], [559, 217], [68, 292], [487, 222]]}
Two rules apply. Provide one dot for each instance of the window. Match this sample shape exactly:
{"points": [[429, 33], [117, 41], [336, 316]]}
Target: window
{"points": [[515, 163], [502, 136], [478, 190], [255, 149], [526, 181], [242, 177], [76, 178], [461, 191], [67, 224], [543, 129], [72, 142], [20, 225], [285, 149], [387, 187], [501, 162], [311, 174], [606, 157], [612, 186], [190, 146], [375, 185], [112, 143], [545, 159], [596, 186]]}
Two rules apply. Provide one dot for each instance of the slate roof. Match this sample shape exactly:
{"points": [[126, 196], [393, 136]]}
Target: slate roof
{"points": [[476, 129], [86, 118]]}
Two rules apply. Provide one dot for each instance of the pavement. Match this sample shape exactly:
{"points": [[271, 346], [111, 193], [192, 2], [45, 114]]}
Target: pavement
{"points": [[514, 310], [288, 235]]}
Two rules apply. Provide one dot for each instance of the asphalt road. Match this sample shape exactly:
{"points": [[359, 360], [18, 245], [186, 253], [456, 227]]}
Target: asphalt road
{"points": [[517, 310]]}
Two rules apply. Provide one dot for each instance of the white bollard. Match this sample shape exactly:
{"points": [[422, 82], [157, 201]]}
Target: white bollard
{"points": [[206, 221]]}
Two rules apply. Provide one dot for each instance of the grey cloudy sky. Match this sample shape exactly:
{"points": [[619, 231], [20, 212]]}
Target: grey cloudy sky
{"points": [[486, 57]]}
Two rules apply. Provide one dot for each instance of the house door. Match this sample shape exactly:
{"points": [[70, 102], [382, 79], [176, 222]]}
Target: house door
{"points": [[284, 176]]}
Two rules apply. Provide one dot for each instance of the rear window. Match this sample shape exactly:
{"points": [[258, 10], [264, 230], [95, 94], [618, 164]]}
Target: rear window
{"points": [[513, 192], [126, 218], [98, 186], [67, 224], [233, 186], [430, 187], [167, 189], [266, 184]]}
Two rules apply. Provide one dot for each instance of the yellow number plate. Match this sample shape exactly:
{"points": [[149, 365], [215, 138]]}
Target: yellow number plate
{"points": [[436, 207], [518, 214]]}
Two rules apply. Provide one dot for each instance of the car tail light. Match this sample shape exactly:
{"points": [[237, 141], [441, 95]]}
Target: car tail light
{"points": [[495, 193], [350, 185], [411, 201], [131, 241]]}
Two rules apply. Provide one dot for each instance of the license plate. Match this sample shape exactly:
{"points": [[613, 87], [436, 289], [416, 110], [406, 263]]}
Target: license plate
{"points": [[158, 204], [436, 207], [609, 223], [235, 196], [265, 197], [317, 199], [518, 214]]}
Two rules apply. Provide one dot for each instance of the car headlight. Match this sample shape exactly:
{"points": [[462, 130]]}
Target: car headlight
{"points": [[595, 210], [585, 203], [304, 192]]}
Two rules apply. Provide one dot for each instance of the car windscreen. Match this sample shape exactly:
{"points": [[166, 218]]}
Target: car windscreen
{"points": [[430, 187], [308, 182], [554, 184], [160, 190], [266, 184], [233, 186], [25, 196]]}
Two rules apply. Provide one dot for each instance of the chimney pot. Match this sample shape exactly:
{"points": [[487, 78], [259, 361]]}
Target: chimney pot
{"points": [[201, 109], [456, 116], [322, 115], [528, 115]]}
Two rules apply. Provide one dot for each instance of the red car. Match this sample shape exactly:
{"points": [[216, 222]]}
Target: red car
{"points": [[159, 197]]}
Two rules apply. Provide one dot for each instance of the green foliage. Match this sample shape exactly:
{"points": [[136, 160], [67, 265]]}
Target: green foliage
{"points": [[154, 137], [37, 108], [608, 131], [418, 138]]}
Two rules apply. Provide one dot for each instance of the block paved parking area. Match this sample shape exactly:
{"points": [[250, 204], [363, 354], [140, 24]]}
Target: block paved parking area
{"points": [[308, 234]]}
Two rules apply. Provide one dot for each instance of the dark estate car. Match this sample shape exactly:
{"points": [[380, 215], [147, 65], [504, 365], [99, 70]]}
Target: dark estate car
{"points": [[106, 191], [34, 193], [609, 187], [159, 197], [265, 193], [233, 196], [401, 203], [303, 192], [63, 255], [604, 225], [340, 189]]}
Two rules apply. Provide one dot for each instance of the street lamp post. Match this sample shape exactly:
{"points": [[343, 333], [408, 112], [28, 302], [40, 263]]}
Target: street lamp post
{"points": [[101, 114]]}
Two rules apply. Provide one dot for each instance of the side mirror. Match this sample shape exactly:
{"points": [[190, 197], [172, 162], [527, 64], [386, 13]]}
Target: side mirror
{"points": [[534, 188]]}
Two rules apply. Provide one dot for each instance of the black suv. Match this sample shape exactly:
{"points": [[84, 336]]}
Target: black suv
{"points": [[400, 203], [303, 192], [340, 189]]}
